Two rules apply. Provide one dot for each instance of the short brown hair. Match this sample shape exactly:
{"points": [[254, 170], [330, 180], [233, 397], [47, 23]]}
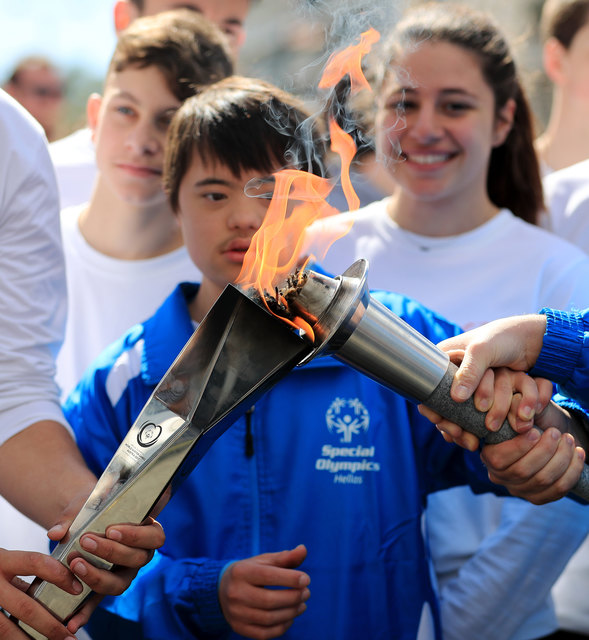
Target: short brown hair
{"points": [[187, 48], [562, 19], [245, 124]]}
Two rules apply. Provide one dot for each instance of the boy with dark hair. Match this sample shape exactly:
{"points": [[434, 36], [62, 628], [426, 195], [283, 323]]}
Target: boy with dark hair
{"points": [[280, 476]]}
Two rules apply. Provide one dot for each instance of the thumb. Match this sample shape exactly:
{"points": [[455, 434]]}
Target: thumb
{"points": [[68, 515], [59, 529], [468, 377], [290, 558]]}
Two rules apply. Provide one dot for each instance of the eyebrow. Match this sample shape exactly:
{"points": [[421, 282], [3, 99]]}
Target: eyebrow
{"points": [[212, 181], [228, 21], [446, 91], [127, 96]]}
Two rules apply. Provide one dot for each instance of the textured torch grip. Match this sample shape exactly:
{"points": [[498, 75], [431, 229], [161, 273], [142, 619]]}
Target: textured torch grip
{"points": [[472, 420]]}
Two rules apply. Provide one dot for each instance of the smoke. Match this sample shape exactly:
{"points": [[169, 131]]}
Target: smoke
{"points": [[346, 20], [342, 23]]}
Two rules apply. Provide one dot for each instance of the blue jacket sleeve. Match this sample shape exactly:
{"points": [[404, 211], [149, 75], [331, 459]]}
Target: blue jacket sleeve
{"points": [[170, 599], [564, 358]]}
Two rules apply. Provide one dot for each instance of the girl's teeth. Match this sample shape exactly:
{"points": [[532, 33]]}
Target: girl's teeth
{"points": [[429, 158]]}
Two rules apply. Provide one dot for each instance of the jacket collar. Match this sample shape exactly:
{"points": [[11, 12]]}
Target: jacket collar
{"points": [[166, 332]]}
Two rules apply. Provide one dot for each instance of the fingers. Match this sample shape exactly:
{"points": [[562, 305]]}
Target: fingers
{"points": [[31, 563], [262, 624], [81, 617], [256, 611], [17, 603], [290, 558], [496, 397], [33, 614], [61, 527], [450, 431], [540, 468], [258, 572], [127, 547], [111, 582], [469, 374], [501, 457], [533, 397]]}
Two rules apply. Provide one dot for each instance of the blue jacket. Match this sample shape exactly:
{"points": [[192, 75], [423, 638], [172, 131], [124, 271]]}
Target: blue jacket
{"points": [[564, 358], [327, 458]]}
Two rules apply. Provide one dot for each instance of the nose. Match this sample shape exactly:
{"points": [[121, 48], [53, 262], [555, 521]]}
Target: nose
{"points": [[424, 125], [249, 214], [144, 139]]}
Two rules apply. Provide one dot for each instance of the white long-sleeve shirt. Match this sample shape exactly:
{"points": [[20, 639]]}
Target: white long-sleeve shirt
{"points": [[32, 279]]}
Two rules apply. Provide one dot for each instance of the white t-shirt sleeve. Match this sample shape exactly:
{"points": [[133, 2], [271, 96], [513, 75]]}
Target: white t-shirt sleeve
{"points": [[32, 284]]}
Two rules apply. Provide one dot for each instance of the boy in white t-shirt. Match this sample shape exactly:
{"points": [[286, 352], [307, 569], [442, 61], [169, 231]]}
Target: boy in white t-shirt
{"points": [[73, 156], [124, 251]]}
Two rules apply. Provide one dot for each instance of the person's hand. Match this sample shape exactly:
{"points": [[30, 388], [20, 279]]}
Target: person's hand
{"points": [[17, 603], [512, 342], [538, 466], [505, 395], [128, 547], [256, 611]]}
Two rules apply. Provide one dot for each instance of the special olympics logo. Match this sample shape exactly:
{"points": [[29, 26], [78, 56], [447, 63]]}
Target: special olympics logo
{"points": [[347, 417], [149, 434]]}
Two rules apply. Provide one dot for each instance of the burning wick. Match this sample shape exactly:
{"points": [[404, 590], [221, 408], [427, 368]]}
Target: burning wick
{"points": [[279, 302]]}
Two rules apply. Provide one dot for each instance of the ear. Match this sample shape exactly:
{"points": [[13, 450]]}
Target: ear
{"points": [[504, 122], [553, 57], [92, 111], [124, 14]]}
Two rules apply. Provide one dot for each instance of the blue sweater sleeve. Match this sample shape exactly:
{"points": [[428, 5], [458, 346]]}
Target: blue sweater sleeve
{"points": [[564, 358], [169, 599]]}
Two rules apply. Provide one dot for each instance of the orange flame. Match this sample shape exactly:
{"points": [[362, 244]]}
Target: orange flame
{"points": [[276, 247], [343, 144], [349, 62]]}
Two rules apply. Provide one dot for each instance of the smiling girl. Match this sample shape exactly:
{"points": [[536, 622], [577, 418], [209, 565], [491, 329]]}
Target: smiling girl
{"points": [[458, 234]]}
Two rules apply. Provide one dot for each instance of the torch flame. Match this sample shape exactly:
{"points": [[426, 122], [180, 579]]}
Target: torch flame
{"points": [[275, 250], [276, 246], [343, 144], [349, 62]]}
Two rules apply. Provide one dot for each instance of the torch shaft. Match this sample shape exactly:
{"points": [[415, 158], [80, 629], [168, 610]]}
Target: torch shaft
{"points": [[467, 416]]}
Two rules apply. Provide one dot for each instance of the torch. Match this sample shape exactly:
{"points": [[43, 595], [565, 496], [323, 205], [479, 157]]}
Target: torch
{"points": [[242, 348], [356, 329], [237, 353]]}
